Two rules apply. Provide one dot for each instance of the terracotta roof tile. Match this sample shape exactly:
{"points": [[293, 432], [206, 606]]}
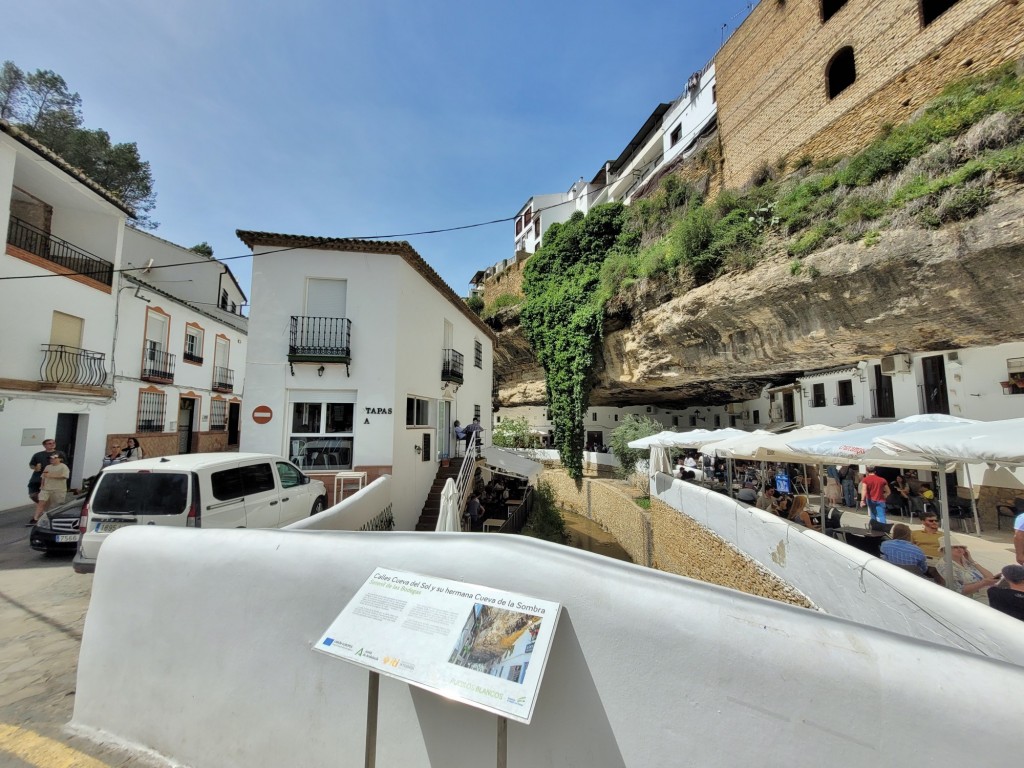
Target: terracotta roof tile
{"points": [[393, 247]]}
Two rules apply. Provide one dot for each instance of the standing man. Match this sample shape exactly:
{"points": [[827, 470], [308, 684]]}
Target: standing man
{"points": [[39, 461], [460, 435], [472, 432], [873, 492]]}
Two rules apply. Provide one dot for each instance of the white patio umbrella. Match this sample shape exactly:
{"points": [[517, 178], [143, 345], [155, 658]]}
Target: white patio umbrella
{"points": [[659, 460], [450, 519], [995, 443], [643, 443], [768, 446], [698, 438], [859, 446]]}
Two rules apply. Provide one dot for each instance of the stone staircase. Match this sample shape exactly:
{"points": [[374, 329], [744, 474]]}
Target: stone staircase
{"points": [[432, 506]]}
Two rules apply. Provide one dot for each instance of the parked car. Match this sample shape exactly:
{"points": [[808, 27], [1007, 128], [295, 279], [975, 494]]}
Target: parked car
{"points": [[197, 490], [57, 530]]}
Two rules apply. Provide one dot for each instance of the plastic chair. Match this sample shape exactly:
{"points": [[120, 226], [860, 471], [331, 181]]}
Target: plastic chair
{"points": [[833, 520]]}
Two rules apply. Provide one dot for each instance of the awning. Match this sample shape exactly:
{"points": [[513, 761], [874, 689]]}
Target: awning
{"points": [[509, 463]]}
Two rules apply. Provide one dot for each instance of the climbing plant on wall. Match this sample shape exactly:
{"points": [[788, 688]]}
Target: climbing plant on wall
{"points": [[563, 316]]}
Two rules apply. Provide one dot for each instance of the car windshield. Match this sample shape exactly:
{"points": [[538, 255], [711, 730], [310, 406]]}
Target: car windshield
{"points": [[142, 493]]}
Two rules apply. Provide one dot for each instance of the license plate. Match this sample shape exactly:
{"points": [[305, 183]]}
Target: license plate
{"points": [[108, 527], [66, 537]]}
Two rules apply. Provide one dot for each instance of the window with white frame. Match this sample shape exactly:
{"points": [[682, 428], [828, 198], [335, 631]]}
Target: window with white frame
{"points": [[193, 344], [218, 414], [417, 412], [322, 434], [152, 407]]}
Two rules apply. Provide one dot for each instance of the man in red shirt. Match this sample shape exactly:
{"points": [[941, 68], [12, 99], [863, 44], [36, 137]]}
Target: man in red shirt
{"points": [[873, 492]]}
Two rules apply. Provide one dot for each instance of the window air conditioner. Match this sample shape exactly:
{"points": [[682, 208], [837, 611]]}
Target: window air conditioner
{"points": [[893, 364]]}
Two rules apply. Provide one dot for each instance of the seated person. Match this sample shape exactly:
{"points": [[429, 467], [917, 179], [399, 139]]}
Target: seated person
{"points": [[929, 537], [766, 499], [747, 495], [783, 505], [1008, 595], [967, 576], [798, 512], [901, 551], [690, 462]]}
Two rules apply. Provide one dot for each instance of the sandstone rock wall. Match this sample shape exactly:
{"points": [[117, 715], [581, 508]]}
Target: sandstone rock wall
{"points": [[914, 290]]}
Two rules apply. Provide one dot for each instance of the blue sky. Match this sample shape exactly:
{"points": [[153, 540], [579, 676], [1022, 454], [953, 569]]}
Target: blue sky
{"points": [[348, 119]]}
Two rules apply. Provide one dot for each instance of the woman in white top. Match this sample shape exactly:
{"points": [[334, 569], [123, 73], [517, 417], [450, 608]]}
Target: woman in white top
{"points": [[132, 451]]}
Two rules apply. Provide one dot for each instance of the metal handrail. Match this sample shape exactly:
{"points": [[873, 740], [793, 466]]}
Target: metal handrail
{"points": [[157, 364], [452, 366], [72, 365], [223, 379], [23, 235], [320, 336]]}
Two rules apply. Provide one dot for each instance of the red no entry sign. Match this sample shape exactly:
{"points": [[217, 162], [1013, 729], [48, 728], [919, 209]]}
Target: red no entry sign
{"points": [[261, 414]]}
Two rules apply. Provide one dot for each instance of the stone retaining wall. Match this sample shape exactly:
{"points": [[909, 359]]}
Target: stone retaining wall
{"points": [[667, 540]]}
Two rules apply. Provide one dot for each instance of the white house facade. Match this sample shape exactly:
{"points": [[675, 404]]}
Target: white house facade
{"points": [[361, 359], [690, 117], [62, 249]]}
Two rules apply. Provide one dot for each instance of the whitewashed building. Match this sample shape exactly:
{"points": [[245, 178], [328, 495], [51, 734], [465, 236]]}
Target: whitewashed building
{"points": [[692, 116], [91, 350], [57, 308], [361, 358], [180, 357]]}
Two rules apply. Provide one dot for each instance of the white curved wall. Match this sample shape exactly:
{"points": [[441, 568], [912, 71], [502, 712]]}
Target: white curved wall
{"points": [[198, 645], [845, 581], [352, 513]]}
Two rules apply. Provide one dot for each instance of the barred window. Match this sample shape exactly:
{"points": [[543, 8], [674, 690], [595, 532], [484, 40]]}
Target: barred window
{"points": [[152, 406], [478, 354], [218, 414], [476, 411]]}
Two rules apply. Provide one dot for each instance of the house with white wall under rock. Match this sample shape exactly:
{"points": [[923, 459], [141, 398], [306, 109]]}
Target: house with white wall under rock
{"points": [[361, 358]]}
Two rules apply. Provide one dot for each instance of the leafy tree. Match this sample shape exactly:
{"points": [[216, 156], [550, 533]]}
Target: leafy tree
{"points": [[514, 433], [42, 105], [475, 303], [203, 248], [633, 427]]}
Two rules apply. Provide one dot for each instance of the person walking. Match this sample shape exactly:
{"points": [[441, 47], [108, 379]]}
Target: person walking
{"points": [[873, 492], [39, 462], [848, 481], [54, 486], [472, 433]]}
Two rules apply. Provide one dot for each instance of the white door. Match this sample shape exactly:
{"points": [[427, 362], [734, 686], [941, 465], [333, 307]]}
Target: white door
{"points": [[296, 501], [262, 501]]}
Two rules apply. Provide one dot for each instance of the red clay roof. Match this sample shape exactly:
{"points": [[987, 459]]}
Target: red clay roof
{"points": [[397, 248]]}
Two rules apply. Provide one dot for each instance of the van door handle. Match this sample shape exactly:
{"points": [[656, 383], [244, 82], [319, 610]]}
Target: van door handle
{"points": [[285, 499], [273, 503]]}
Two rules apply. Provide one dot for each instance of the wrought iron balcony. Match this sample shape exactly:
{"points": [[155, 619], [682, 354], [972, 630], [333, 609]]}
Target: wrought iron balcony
{"points": [[23, 235], [320, 340], [223, 379], [192, 357], [451, 366], [157, 366], [72, 366]]}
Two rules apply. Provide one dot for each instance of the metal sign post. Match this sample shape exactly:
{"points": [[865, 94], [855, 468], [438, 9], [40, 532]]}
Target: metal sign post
{"points": [[372, 692], [502, 742]]}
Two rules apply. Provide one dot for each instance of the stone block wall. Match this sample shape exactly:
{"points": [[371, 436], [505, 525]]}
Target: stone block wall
{"points": [[664, 539], [509, 280], [771, 74]]}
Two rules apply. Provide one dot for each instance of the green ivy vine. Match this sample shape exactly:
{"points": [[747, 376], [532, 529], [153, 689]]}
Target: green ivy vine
{"points": [[563, 316]]}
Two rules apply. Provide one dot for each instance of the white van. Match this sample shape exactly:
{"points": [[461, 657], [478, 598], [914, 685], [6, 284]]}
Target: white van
{"points": [[197, 490]]}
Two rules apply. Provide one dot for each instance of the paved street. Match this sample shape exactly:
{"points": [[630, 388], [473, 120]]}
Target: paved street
{"points": [[42, 610]]}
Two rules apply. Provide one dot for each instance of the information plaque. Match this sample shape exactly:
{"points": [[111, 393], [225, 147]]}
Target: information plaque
{"points": [[482, 646]]}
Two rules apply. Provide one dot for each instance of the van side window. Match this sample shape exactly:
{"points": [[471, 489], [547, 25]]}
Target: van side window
{"points": [[257, 478], [227, 484], [290, 476]]}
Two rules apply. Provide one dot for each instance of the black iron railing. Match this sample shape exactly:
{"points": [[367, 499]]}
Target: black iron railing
{"points": [[23, 235], [71, 365], [451, 366], [320, 339], [157, 366], [223, 379], [192, 357]]}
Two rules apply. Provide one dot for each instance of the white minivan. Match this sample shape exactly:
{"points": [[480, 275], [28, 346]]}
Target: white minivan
{"points": [[198, 490]]}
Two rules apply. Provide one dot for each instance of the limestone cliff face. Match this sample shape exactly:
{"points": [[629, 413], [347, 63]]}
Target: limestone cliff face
{"points": [[913, 290]]}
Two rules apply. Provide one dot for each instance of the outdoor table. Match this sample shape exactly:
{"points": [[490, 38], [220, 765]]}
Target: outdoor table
{"points": [[493, 523], [863, 539]]}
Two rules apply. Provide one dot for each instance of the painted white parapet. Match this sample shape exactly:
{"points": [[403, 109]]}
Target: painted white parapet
{"points": [[847, 582], [198, 644], [368, 507]]}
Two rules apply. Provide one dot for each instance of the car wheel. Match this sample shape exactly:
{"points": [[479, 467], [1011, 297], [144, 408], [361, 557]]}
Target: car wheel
{"points": [[318, 506]]}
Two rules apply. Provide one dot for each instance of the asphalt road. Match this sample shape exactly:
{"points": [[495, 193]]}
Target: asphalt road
{"points": [[43, 603]]}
